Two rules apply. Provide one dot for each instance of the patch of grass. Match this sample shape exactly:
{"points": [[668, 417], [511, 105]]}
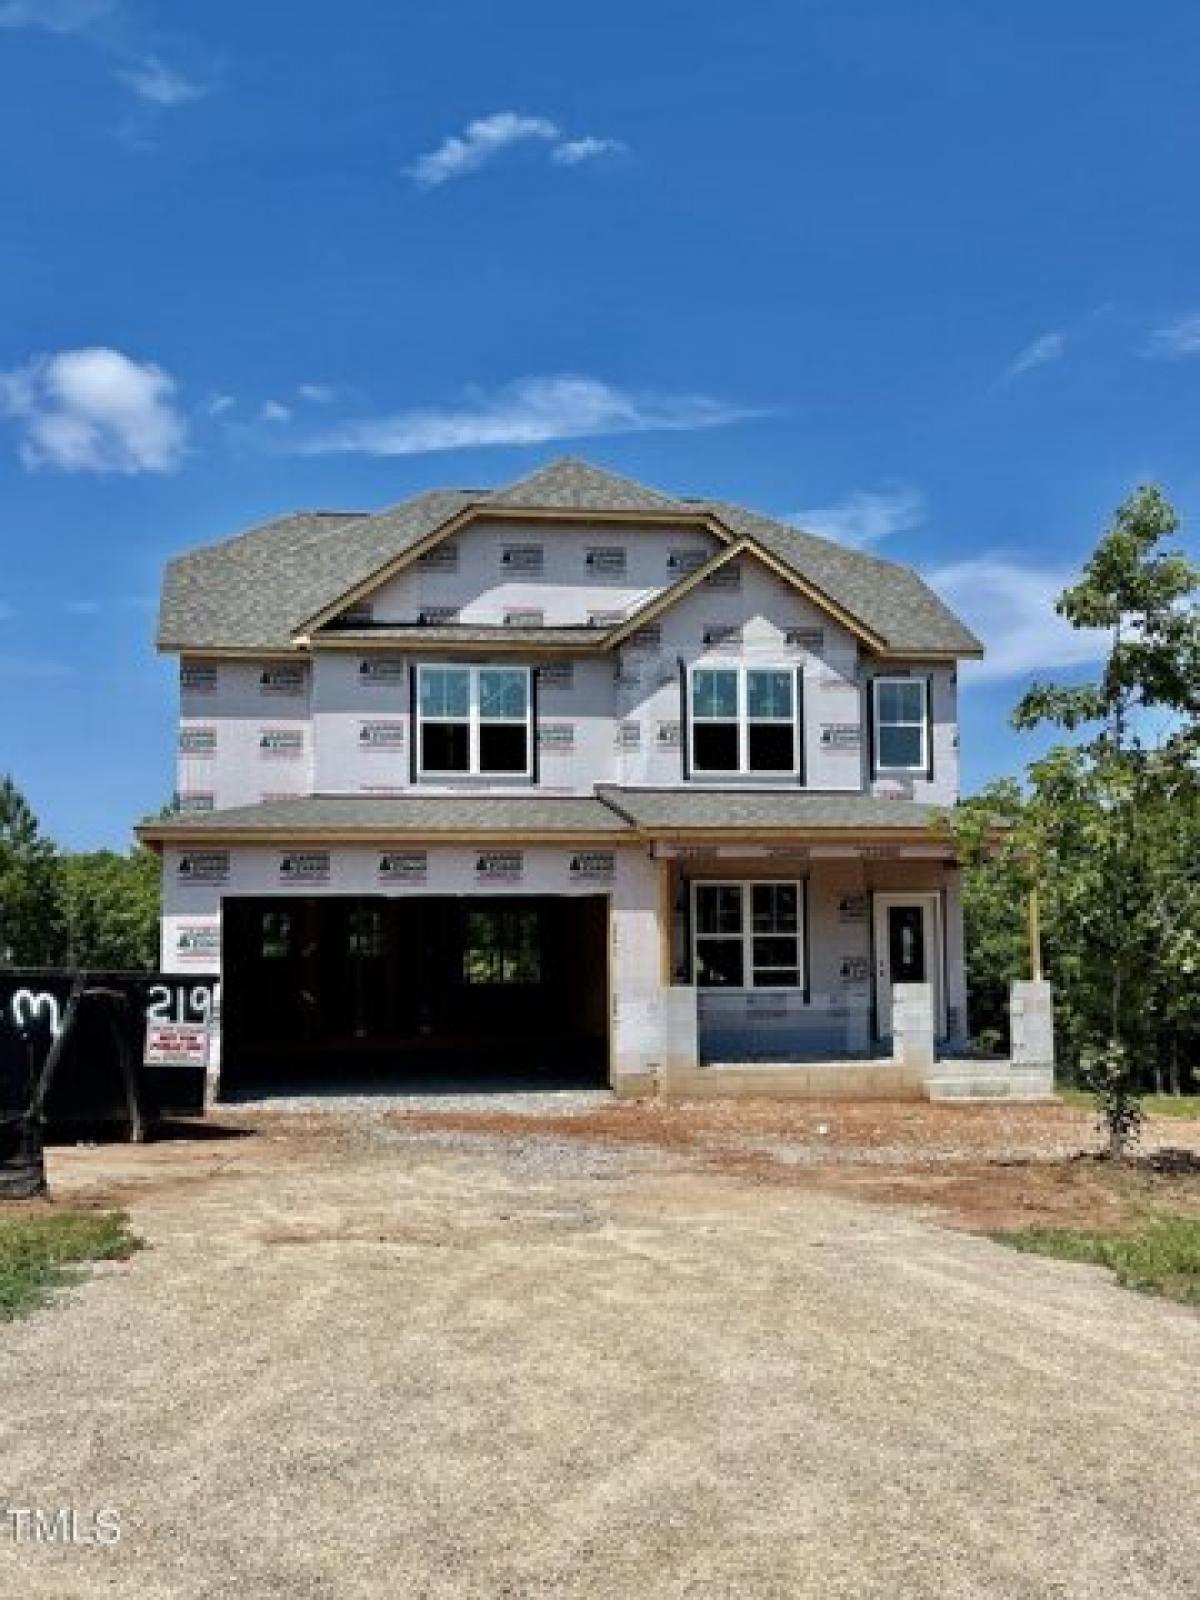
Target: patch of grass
{"points": [[1154, 1105], [1159, 1256], [37, 1252]]}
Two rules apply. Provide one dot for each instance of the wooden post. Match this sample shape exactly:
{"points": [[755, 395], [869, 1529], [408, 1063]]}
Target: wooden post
{"points": [[1035, 935], [666, 922]]}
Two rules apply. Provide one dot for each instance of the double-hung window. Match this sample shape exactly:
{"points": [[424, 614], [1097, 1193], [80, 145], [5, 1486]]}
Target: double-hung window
{"points": [[901, 717], [748, 935], [474, 721], [744, 720]]}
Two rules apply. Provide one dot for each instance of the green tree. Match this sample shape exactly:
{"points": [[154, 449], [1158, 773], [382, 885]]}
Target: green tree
{"points": [[1104, 822], [31, 918], [111, 905]]}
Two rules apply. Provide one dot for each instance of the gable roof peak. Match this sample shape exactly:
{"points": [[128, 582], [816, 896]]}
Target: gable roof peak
{"points": [[569, 483]]}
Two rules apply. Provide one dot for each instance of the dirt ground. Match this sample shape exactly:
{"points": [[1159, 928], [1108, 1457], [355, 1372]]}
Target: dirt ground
{"points": [[627, 1351]]}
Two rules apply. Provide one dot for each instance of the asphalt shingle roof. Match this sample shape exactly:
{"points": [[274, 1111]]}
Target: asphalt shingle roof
{"points": [[256, 590], [612, 811], [668, 810], [385, 816]]}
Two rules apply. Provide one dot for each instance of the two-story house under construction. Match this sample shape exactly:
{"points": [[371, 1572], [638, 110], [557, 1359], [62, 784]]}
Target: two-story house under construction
{"points": [[573, 776]]}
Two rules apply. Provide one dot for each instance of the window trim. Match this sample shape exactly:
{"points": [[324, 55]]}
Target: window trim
{"points": [[474, 720], [924, 765], [746, 887], [744, 721]]}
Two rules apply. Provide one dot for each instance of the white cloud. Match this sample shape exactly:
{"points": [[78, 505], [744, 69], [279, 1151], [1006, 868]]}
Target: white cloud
{"points": [[480, 142], [274, 411], [160, 84], [1180, 338], [1048, 347], [218, 404], [94, 410], [484, 139], [1010, 605], [864, 517], [55, 16], [572, 151], [527, 411], [317, 394]]}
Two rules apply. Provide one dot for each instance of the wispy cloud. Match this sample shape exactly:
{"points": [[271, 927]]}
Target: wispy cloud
{"points": [[572, 151], [218, 404], [54, 16], [152, 80], [275, 411], [483, 140], [317, 394], [1176, 339], [94, 410], [528, 411], [1009, 603], [113, 33], [1039, 353], [864, 517]]}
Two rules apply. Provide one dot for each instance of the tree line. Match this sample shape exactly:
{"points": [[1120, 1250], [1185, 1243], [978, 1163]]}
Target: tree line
{"points": [[92, 908]]}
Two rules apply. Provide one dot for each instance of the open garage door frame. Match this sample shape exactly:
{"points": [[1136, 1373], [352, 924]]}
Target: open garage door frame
{"points": [[421, 991]]}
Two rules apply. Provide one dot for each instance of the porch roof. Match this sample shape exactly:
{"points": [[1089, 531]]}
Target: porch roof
{"points": [[737, 811]]}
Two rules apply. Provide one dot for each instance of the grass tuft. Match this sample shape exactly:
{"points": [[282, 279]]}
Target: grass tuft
{"points": [[38, 1252], [1186, 1106], [1159, 1256]]}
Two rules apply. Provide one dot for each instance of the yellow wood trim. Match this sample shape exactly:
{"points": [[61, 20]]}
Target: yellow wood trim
{"points": [[935, 657], [667, 598], [225, 652]]}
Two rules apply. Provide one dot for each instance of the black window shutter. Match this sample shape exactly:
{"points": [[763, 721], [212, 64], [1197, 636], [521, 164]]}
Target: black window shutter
{"points": [[871, 728], [807, 974], [535, 765], [802, 764], [929, 727], [686, 889], [684, 734], [414, 732]]}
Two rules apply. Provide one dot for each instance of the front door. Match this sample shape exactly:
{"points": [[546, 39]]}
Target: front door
{"points": [[907, 950]]}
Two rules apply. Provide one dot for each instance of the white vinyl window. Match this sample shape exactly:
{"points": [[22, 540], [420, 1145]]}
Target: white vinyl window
{"points": [[901, 724], [748, 935], [474, 721], [744, 720]]}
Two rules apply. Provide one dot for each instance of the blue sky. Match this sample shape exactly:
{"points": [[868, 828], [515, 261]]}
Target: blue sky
{"points": [[922, 275]]}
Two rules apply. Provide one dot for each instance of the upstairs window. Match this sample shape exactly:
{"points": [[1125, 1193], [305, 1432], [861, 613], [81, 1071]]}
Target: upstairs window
{"points": [[474, 721], [901, 716], [744, 720]]}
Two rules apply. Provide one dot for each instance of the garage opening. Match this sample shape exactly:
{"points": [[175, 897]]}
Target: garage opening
{"points": [[431, 992]]}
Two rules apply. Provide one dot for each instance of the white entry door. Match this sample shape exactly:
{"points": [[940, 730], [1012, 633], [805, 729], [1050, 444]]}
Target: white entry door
{"points": [[908, 949]]}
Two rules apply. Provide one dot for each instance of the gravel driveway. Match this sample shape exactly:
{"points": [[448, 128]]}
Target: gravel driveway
{"points": [[364, 1361]]}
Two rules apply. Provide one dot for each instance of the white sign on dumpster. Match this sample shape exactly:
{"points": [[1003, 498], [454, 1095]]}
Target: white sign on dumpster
{"points": [[176, 1044]]}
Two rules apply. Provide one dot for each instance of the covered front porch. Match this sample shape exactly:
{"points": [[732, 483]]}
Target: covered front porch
{"points": [[794, 950]]}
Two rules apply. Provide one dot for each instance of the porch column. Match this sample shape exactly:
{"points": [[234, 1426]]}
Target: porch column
{"points": [[666, 921]]}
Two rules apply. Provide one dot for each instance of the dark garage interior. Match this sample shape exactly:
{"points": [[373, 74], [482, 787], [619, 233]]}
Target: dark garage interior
{"points": [[425, 992]]}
